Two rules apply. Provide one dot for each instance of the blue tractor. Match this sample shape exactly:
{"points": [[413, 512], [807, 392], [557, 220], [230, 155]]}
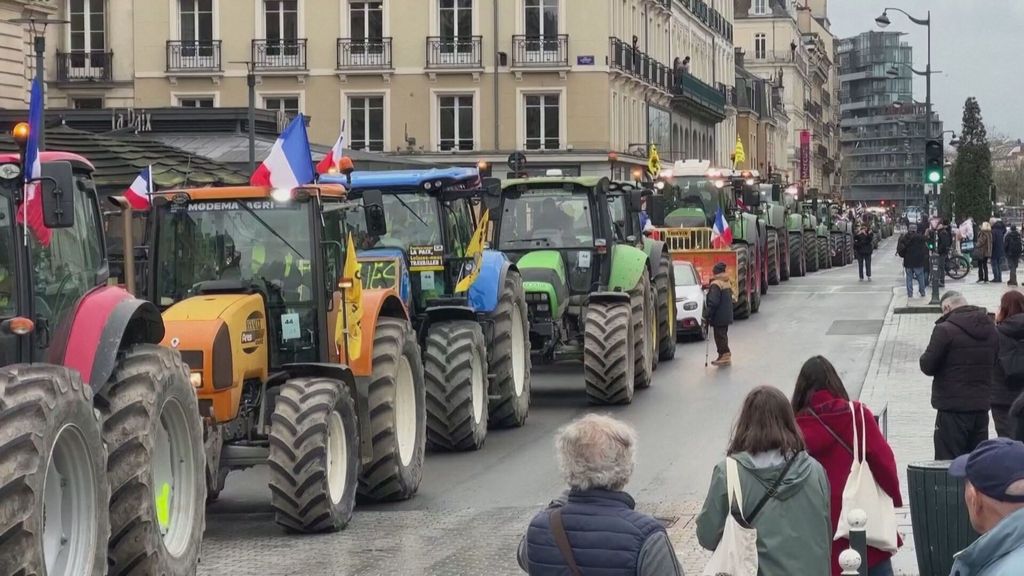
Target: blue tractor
{"points": [[467, 303]]}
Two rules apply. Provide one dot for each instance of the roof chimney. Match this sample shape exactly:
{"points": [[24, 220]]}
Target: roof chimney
{"points": [[739, 57]]}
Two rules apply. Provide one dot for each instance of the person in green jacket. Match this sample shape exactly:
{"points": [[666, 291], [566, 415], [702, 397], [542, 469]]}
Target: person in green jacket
{"points": [[794, 529]]}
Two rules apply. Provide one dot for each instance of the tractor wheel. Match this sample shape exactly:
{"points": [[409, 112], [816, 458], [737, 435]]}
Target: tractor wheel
{"points": [[773, 258], [608, 353], [455, 365], [742, 308], [157, 464], [797, 255], [53, 514], [645, 332], [762, 274], [850, 256], [398, 414], [837, 250], [785, 257], [811, 251], [314, 455], [509, 356], [665, 288], [755, 295], [824, 255]]}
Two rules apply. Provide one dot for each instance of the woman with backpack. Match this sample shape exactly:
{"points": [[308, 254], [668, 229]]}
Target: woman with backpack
{"points": [[825, 415], [1008, 375], [783, 492]]}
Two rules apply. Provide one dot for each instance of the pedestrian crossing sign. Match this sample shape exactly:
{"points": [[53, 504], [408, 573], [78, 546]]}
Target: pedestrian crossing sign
{"points": [[653, 162]]}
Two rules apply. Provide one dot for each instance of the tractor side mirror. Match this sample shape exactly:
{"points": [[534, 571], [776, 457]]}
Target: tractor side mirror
{"points": [[57, 187], [656, 210], [492, 194], [751, 197], [636, 200], [373, 209], [332, 267]]}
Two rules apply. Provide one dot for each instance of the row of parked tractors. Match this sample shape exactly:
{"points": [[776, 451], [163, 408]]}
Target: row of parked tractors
{"points": [[333, 332]]}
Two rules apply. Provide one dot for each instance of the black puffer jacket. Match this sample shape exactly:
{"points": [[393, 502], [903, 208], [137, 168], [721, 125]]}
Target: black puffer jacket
{"points": [[960, 358], [862, 244], [1011, 351], [913, 248], [719, 301]]}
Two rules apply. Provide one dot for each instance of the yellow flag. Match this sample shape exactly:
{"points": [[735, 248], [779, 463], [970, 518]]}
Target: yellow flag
{"points": [[353, 302], [740, 155], [654, 162], [475, 250]]}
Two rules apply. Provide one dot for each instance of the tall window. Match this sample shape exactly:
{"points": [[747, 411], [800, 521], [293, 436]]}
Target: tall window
{"points": [[195, 23], [760, 6], [542, 121], [287, 104], [455, 21], [541, 18], [456, 122], [366, 20], [366, 123], [87, 32], [281, 24], [760, 46]]}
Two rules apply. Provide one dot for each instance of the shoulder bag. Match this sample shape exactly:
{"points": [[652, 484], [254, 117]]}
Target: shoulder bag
{"points": [[562, 540], [830, 430], [862, 492]]}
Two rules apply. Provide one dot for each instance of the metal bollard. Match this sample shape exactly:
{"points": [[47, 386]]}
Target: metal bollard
{"points": [[858, 521]]}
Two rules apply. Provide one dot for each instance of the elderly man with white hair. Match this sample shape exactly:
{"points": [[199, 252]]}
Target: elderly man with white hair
{"points": [[593, 527]]}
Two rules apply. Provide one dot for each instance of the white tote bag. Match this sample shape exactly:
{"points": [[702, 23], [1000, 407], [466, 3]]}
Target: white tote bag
{"points": [[736, 554], [863, 492]]}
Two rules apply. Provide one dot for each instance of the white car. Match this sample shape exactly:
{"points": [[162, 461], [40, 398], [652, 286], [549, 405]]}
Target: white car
{"points": [[689, 302]]}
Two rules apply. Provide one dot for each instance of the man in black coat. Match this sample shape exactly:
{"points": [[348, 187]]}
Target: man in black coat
{"points": [[718, 309], [863, 247], [913, 248], [998, 252], [1013, 247], [960, 358]]}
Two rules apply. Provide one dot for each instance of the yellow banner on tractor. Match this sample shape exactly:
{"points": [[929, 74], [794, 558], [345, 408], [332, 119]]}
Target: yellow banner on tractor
{"points": [[739, 156], [475, 250], [352, 289]]}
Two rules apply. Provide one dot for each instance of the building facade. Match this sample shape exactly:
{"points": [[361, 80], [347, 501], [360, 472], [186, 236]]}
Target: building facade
{"points": [[761, 121], [883, 128]]}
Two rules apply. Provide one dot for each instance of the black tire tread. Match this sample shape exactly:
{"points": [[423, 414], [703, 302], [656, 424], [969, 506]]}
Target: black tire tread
{"points": [[824, 255], [774, 277], [742, 307], [811, 251], [607, 353], [506, 409], [798, 264], [664, 284], [447, 366], [640, 301]]}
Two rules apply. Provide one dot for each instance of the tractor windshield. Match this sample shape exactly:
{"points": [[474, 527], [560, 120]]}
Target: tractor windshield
{"points": [[412, 221], [547, 218], [267, 246], [693, 200]]}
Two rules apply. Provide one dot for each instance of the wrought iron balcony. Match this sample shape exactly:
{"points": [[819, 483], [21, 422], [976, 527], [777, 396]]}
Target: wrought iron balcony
{"points": [[455, 52], [279, 54], [639, 65], [193, 56], [540, 51], [85, 66], [364, 53]]}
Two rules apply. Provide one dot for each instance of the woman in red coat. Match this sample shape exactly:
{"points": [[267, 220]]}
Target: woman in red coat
{"points": [[823, 413]]}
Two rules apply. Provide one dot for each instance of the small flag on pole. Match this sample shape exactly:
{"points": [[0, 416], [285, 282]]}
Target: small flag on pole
{"points": [[334, 154], [138, 194], [739, 156], [31, 213]]}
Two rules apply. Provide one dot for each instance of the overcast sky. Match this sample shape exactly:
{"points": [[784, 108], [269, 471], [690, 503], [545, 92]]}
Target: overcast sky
{"points": [[977, 44]]}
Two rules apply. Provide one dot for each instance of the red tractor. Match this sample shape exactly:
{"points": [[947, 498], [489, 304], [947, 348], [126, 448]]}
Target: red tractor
{"points": [[100, 434]]}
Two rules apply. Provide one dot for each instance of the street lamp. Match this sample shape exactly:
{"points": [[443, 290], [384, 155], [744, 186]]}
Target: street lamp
{"points": [[37, 26], [250, 80]]}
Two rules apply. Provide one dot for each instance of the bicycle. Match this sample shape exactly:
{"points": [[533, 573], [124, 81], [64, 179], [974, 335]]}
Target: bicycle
{"points": [[957, 266]]}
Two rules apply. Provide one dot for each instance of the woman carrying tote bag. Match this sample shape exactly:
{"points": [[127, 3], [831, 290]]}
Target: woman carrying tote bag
{"points": [[782, 495], [823, 412]]}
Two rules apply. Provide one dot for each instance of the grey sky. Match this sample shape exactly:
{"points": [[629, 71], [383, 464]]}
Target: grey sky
{"points": [[975, 43]]}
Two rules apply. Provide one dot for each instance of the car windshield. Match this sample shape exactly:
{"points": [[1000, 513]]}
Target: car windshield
{"points": [[267, 246], [412, 221], [685, 275], [547, 218]]}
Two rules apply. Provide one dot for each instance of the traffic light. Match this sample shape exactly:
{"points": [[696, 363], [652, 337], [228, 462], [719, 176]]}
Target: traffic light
{"points": [[933, 162]]}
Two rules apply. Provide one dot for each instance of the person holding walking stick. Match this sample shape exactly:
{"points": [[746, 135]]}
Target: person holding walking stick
{"points": [[719, 313]]}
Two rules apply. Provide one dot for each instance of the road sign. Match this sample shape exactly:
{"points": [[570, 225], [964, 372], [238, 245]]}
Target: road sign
{"points": [[653, 162]]}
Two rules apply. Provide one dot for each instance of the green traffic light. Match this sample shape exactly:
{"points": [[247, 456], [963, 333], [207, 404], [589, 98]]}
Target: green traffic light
{"points": [[934, 177]]}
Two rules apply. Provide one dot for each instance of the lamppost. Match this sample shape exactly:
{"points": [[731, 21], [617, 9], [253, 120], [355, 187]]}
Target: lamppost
{"points": [[250, 80], [37, 26]]}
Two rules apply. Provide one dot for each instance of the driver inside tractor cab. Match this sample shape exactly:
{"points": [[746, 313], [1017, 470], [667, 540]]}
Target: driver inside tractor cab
{"points": [[279, 261], [412, 221], [547, 218]]}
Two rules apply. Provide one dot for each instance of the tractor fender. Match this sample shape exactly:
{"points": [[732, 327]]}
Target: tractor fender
{"points": [[486, 289], [107, 319], [447, 313], [608, 297], [628, 264], [376, 303]]}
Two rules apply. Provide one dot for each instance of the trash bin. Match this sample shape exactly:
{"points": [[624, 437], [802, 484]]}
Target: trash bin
{"points": [[938, 515]]}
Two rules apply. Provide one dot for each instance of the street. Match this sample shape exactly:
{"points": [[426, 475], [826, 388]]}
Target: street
{"points": [[472, 508]]}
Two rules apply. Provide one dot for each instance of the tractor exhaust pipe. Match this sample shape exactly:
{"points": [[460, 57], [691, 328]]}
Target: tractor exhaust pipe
{"points": [[128, 244]]}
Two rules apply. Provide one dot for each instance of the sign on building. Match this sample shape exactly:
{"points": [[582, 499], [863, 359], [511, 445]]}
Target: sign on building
{"points": [[805, 155]]}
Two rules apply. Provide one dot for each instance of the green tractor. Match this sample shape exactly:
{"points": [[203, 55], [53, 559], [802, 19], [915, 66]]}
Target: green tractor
{"points": [[588, 289], [840, 238], [822, 234], [803, 229], [775, 214]]}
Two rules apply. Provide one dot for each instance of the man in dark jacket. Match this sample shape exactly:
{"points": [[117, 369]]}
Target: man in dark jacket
{"points": [[862, 247], [913, 248], [1008, 375], [1013, 247], [998, 250], [719, 312], [943, 244], [960, 358]]}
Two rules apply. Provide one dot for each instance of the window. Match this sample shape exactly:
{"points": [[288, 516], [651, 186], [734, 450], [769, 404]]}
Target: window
{"points": [[281, 19], [366, 123], [195, 102], [195, 28], [543, 122], [87, 103], [87, 31], [8, 292], [455, 28], [366, 20], [287, 104], [760, 46], [541, 18], [760, 6], [456, 122]]}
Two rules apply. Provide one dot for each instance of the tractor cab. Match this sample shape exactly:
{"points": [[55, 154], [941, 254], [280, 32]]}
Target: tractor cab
{"points": [[631, 206]]}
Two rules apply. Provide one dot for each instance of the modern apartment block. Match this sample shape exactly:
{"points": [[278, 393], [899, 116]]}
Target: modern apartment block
{"points": [[451, 81], [883, 128]]}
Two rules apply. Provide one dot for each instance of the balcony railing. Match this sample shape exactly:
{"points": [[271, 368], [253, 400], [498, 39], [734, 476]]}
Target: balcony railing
{"points": [[85, 66], [455, 52], [279, 54], [695, 93], [364, 53], [540, 51], [193, 56], [639, 65], [797, 57]]}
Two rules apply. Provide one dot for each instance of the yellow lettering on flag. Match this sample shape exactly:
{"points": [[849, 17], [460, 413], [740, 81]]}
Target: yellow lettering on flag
{"points": [[739, 155], [654, 162], [475, 250], [351, 279]]}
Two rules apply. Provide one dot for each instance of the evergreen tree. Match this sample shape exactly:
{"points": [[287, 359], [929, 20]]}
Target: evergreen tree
{"points": [[971, 178]]}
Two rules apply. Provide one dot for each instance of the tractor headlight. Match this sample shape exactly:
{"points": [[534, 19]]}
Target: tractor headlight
{"points": [[543, 307], [691, 306]]}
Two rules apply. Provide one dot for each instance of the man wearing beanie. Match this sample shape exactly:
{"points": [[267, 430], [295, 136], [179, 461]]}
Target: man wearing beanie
{"points": [[718, 309]]}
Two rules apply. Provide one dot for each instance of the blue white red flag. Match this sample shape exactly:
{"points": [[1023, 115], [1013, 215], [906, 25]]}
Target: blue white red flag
{"points": [[721, 235], [31, 213], [290, 162], [138, 194]]}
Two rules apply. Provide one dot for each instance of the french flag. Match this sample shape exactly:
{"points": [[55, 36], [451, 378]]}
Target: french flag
{"points": [[721, 235], [332, 157], [138, 194], [289, 163], [32, 208]]}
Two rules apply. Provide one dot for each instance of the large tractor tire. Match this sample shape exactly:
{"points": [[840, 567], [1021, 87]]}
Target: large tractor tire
{"points": [[645, 332], [773, 258], [157, 464], [314, 455], [742, 308], [837, 250], [785, 264], [509, 356], [850, 255], [608, 350], [797, 255], [398, 414], [824, 255], [54, 518], [811, 251], [665, 290], [455, 366]]}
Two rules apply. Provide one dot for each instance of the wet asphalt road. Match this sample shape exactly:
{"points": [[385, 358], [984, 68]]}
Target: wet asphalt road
{"points": [[683, 422]]}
